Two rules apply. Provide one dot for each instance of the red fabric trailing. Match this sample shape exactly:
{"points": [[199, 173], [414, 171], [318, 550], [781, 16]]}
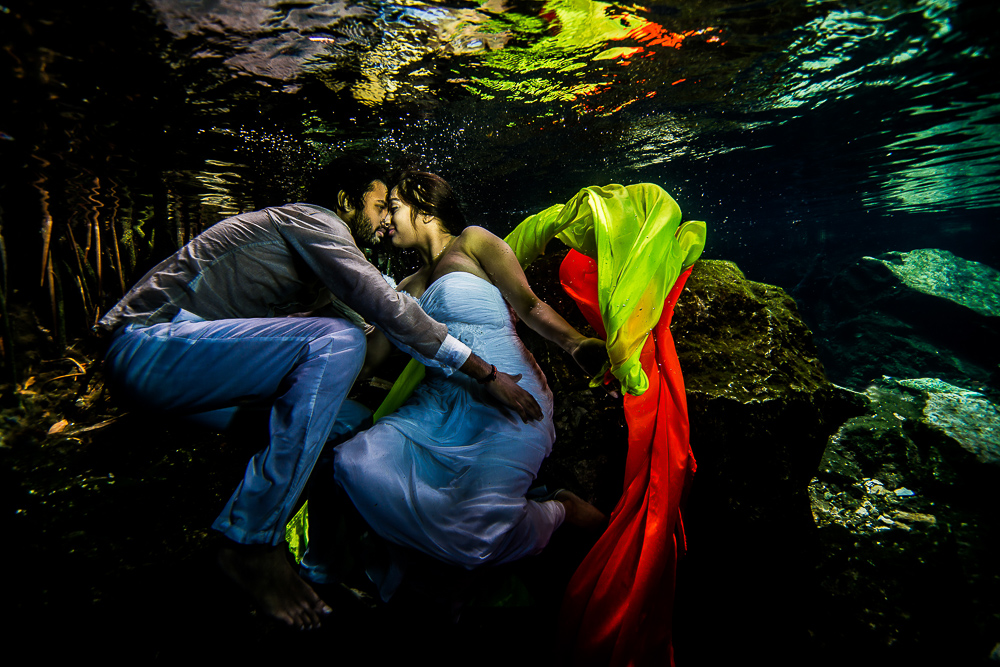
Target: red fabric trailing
{"points": [[578, 275], [618, 606]]}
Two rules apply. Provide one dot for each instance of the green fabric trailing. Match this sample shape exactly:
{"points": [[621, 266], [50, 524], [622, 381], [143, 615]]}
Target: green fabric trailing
{"points": [[297, 532], [635, 235]]}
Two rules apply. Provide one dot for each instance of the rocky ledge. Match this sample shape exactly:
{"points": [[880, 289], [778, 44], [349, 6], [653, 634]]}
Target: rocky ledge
{"points": [[923, 313], [904, 501]]}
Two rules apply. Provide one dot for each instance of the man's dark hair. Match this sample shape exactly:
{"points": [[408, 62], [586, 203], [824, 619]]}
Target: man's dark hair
{"points": [[430, 194], [352, 175]]}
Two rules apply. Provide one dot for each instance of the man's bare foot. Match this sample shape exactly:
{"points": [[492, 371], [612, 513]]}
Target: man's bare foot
{"points": [[579, 512], [264, 572]]}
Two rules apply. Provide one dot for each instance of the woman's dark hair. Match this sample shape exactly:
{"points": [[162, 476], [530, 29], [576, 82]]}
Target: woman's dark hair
{"points": [[431, 195], [354, 176]]}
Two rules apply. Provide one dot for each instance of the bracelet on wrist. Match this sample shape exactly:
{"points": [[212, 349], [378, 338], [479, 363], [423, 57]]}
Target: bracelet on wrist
{"points": [[491, 377]]}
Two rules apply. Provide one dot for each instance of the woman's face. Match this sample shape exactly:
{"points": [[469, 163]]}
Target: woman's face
{"points": [[400, 227]]}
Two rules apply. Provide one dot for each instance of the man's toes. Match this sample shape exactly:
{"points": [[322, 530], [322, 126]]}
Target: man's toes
{"points": [[309, 616], [288, 618], [299, 620]]}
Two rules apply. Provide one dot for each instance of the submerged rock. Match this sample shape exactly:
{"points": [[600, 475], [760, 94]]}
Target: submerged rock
{"points": [[924, 312], [940, 273], [966, 417], [760, 405], [904, 500]]}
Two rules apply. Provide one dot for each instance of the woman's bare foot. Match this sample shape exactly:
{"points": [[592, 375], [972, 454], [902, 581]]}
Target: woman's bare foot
{"points": [[579, 512], [264, 572]]}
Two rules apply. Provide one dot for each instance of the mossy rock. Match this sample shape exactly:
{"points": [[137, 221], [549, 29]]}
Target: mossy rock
{"points": [[759, 402], [906, 532]]}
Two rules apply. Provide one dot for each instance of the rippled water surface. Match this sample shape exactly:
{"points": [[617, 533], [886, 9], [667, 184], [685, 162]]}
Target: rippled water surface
{"points": [[796, 129]]}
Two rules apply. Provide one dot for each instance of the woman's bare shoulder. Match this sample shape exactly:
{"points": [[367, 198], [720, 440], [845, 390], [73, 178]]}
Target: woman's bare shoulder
{"points": [[477, 237]]}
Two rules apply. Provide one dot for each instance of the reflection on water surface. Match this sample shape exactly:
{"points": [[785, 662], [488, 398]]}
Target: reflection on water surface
{"points": [[796, 128]]}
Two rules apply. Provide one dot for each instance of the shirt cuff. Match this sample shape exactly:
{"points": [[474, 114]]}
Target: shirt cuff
{"points": [[453, 352]]}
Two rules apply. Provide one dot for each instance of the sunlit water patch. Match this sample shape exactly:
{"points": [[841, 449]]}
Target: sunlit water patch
{"points": [[934, 144]]}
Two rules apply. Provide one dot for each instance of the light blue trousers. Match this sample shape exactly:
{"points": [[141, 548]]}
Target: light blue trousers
{"points": [[302, 367]]}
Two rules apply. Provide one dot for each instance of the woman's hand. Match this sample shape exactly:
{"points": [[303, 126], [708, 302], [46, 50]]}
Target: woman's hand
{"points": [[591, 355]]}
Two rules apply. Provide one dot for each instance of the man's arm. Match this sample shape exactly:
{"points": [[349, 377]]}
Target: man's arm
{"points": [[503, 387], [325, 244]]}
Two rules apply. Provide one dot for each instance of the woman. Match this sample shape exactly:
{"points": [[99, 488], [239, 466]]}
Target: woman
{"points": [[447, 473]]}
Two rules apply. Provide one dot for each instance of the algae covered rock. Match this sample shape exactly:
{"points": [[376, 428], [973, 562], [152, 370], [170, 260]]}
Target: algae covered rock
{"points": [[759, 402], [909, 314], [904, 500]]}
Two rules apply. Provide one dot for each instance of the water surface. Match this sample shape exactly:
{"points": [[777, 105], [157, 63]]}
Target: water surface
{"points": [[797, 129]]}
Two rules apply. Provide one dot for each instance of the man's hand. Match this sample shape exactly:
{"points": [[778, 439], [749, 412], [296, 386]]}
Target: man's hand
{"points": [[503, 388], [506, 390]]}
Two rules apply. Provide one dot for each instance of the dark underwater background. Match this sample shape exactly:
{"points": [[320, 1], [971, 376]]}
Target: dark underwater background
{"points": [[808, 134]]}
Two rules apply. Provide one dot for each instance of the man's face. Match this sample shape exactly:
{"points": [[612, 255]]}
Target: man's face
{"points": [[373, 212]]}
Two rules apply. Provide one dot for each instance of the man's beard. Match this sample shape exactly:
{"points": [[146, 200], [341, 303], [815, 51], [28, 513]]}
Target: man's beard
{"points": [[363, 230]]}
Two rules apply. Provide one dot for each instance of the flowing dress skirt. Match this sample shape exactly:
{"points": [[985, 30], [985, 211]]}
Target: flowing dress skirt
{"points": [[447, 473]]}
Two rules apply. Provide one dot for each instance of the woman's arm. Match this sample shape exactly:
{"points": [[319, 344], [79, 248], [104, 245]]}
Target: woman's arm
{"points": [[501, 266]]}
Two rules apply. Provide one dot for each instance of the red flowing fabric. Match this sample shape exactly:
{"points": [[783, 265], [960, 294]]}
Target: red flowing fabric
{"points": [[618, 607]]}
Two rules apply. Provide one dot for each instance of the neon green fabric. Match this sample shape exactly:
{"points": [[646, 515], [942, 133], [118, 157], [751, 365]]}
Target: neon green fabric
{"points": [[635, 234], [297, 532], [401, 389]]}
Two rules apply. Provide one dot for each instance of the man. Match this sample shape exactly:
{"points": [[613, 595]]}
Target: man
{"points": [[204, 332]]}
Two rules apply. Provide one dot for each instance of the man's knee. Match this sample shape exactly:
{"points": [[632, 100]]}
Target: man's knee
{"points": [[354, 342], [346, 343], [357, 339]]}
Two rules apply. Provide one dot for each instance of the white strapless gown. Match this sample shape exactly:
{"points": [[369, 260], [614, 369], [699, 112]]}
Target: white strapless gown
{"points": [[447, 473]]}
